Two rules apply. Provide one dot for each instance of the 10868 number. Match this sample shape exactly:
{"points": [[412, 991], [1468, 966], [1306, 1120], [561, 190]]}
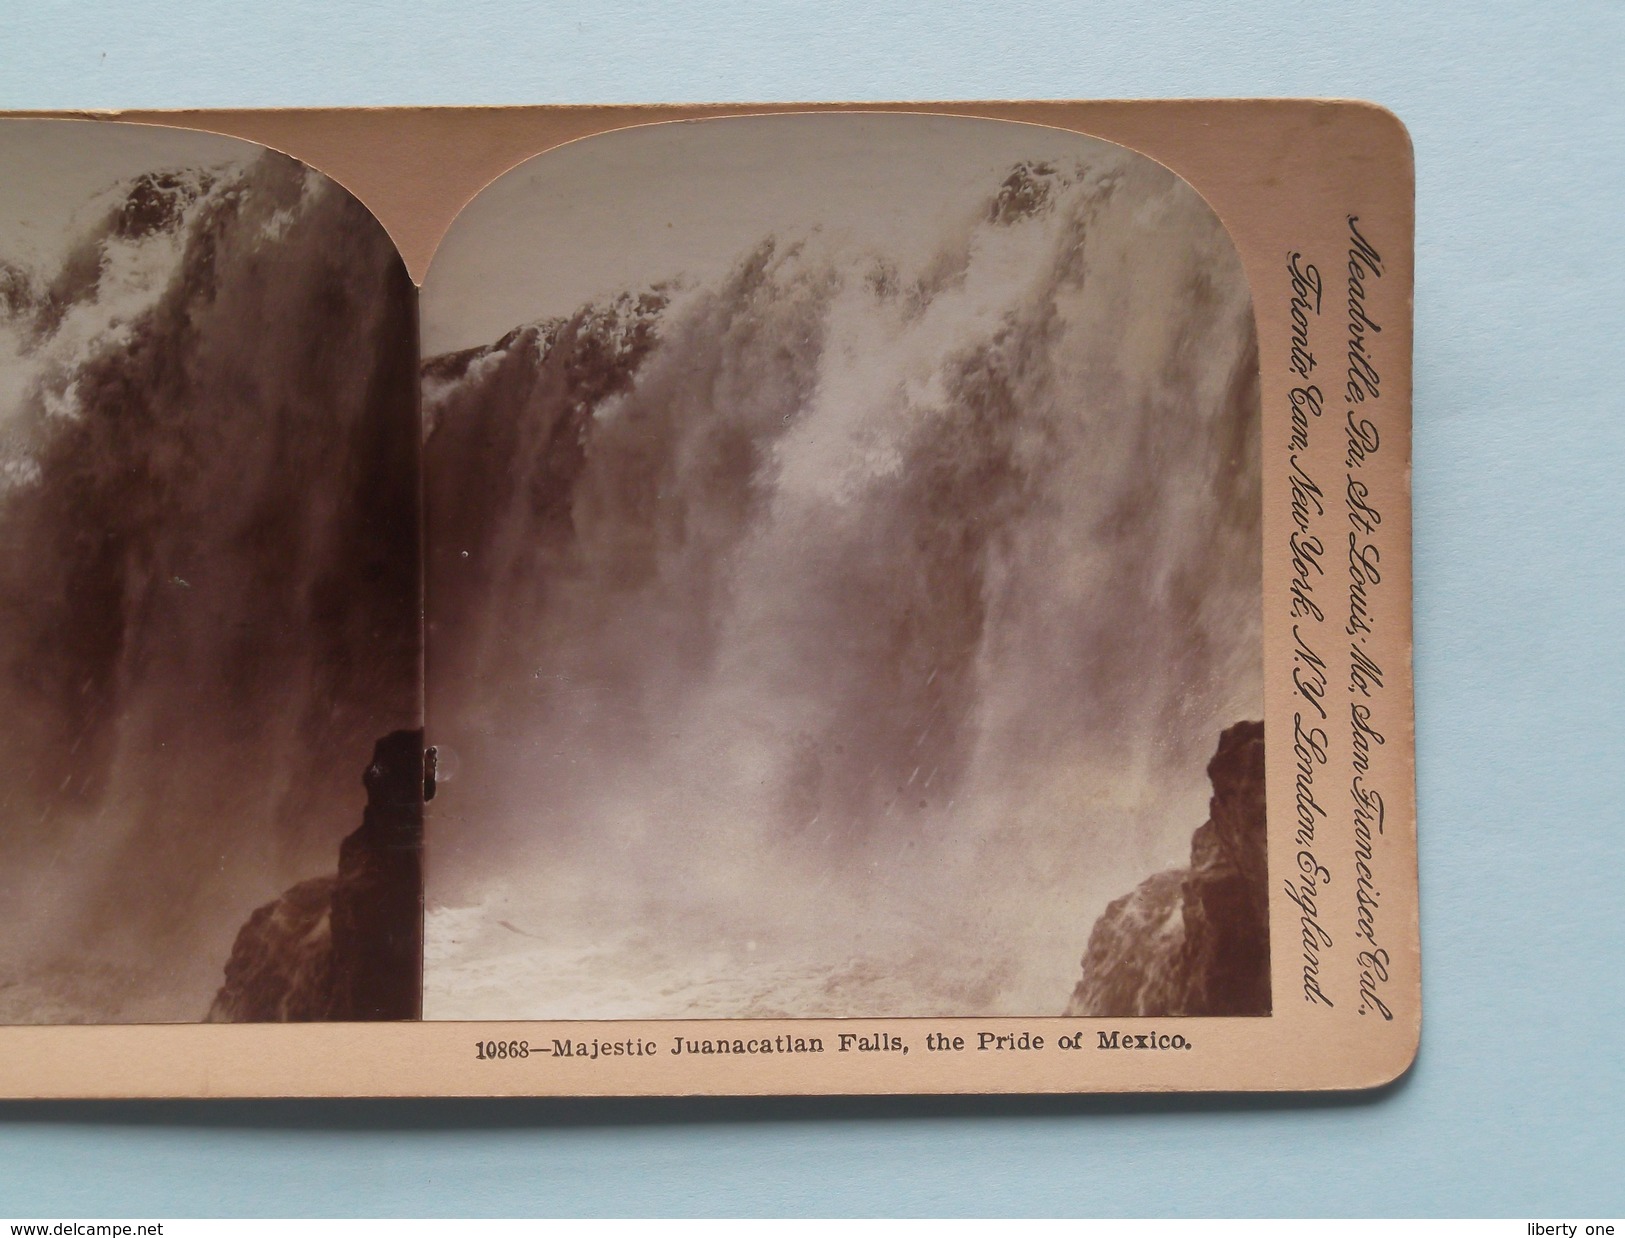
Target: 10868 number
{"points": [[496, 1050]]}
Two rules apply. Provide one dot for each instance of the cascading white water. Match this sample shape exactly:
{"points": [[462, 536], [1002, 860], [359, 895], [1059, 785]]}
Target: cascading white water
{"points": [[208, 553], [837, 630]]}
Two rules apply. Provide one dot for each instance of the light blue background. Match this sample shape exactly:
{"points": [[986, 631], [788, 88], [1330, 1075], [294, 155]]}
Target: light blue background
{"points": [[1517, 1104]]}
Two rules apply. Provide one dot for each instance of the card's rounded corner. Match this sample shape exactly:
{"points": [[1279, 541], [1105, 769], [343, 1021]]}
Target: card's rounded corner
{"points": [[1388, 127], [1390, 1071]]}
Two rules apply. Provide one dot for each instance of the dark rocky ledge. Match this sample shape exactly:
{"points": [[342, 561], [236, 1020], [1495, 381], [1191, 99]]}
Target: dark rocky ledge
{"points": [[1194, 941], [347, 947]]}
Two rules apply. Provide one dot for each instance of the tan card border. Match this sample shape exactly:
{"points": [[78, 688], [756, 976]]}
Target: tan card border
{"points": [[1286, 177]]}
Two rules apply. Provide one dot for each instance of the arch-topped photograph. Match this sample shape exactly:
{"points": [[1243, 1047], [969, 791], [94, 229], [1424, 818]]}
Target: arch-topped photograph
{"points": [[843, 581], [209, 599]]}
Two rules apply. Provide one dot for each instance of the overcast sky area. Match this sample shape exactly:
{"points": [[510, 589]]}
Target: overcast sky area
{"points": [[624, 210], [56, 171]]}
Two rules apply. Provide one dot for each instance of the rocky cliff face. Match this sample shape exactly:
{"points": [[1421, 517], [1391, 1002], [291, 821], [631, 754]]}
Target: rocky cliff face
{"points": [[1194, 941], [349, 947]]}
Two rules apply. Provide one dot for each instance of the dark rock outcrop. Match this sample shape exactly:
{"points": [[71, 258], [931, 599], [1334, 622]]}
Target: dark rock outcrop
{"points": [[1026, 192], [377, 916], [1194, 941], [281, 966], [345, 948]]}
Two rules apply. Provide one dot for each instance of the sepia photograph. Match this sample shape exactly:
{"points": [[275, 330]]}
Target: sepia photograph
{"points": [[209, 586], [843, 581]]}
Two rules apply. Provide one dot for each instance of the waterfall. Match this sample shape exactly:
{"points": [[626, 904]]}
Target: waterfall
{"points": [[836, 631]]}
